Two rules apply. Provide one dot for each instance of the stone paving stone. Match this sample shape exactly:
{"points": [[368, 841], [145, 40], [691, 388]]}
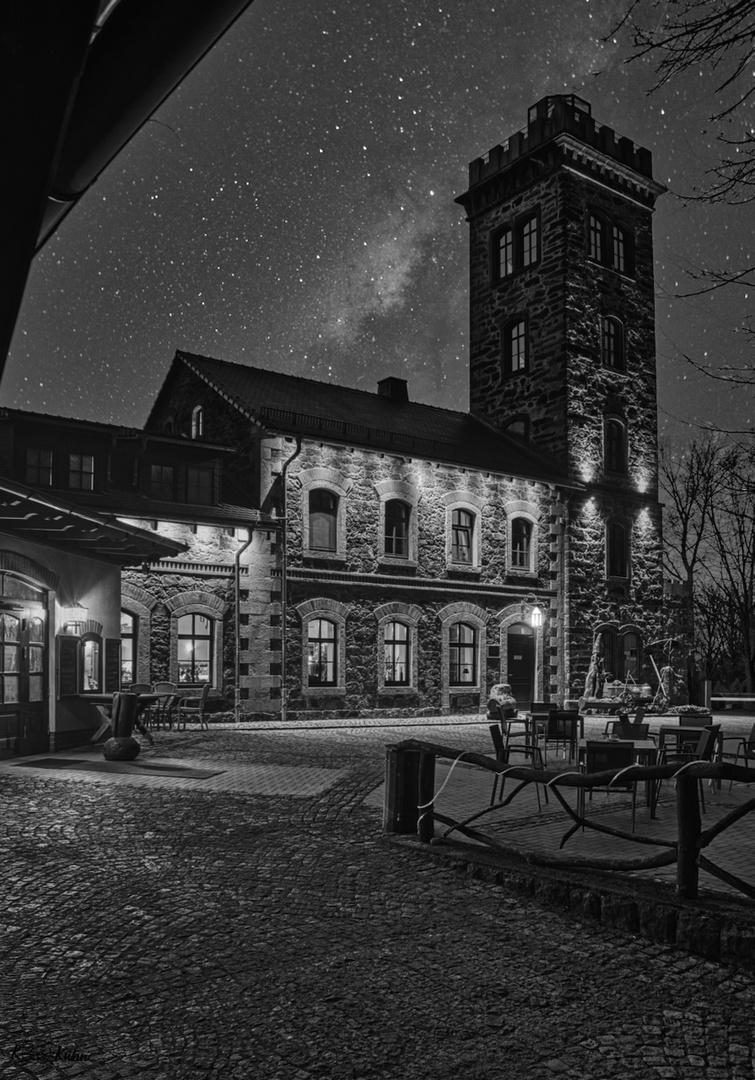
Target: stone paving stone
{"points": [[168, 932]]}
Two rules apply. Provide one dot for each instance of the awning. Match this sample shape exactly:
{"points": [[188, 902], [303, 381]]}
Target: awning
{"points": [[33, 515]]}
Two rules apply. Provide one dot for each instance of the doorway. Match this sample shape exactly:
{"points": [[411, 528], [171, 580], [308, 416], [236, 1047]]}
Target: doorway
{"points": [[23, 664], [521, 662]]}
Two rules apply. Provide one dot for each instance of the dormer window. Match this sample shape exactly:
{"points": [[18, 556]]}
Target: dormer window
{"points": [[81, 472]]}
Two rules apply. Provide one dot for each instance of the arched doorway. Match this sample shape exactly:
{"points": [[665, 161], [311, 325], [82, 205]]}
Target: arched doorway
{"points": [[521, 662]]}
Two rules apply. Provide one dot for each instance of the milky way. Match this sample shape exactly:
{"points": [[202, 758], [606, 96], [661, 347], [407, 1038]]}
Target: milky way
{"points": [[292, 206]]}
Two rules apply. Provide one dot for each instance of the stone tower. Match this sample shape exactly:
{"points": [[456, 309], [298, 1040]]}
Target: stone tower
{"points": [[562, 354], [561, 290]]}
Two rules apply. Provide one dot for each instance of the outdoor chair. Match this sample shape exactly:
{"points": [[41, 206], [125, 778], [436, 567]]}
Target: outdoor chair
{"points": [[631, 731], [560, 728], [192, 709], [543, 706], [706, 744], [163, 714], [600, 756], [146, 712], [745, 750], [503, 750]]}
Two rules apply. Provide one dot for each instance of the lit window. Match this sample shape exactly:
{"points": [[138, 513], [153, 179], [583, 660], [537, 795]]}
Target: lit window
{"points": [[521, 543], [197, 422], [81, 472], [515, 347], [612, 343], [462, 533], [195, 644], [323, 520], [128, 648], [516, 247], [321, 652], [614, 449], [199, 485], [596, 238], [397, 515], [162, 481], [617, 551], [38, 467], [462, 655], [91, 664], [396, 654]]}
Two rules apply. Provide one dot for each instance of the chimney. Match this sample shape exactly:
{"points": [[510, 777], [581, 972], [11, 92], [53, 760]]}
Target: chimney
{"points": [[393, 388]]}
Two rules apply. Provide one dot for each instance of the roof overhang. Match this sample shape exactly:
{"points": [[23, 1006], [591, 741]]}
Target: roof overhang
{"points": [[32, 515]]}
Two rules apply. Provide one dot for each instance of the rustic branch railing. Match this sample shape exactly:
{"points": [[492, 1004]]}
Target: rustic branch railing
{"points": [[409, 807]]}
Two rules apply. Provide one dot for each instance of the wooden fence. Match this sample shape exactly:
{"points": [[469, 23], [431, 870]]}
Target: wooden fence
{"points": [[409, 807]]}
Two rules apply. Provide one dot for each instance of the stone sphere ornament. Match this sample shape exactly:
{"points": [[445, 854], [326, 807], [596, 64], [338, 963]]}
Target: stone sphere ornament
{"points": [[121, 748]]}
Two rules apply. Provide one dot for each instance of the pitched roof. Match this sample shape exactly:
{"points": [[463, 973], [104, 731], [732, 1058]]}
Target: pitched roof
{"points": [[289, 403]]}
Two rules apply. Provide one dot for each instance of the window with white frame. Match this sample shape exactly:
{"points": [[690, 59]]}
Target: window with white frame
{"points": [[462, 537], [322, 652], [196, 637], [129, 629], [397, 518], [521, 544], [396, 654], [462, 655]]}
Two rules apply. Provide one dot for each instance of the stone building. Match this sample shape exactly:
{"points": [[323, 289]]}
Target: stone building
{"points": [[420, 548]]}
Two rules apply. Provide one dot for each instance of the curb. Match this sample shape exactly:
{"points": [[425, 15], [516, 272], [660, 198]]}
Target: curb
{"points": [[721, 929]]}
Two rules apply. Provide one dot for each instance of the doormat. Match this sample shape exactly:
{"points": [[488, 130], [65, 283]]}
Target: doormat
{"points": [[129, 768]]}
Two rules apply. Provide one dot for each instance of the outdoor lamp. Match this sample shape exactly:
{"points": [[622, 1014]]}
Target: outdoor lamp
{"points": [[536, 618], [75, 616]]}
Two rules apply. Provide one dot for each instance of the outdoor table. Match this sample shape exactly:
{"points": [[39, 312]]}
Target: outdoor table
{"points": [[106, 700], [645, 752]]}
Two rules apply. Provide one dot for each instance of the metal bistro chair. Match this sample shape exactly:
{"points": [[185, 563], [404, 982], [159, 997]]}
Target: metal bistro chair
{"points": [[561, 728], [503, 749], [600, 756], [632, 731], [146, 712], [193, 708], [745, 750], [706, 744], [164, 708]]}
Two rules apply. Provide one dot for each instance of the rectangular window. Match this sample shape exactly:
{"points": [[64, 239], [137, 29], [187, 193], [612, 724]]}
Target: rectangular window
{"points": [[596, 238], [128, 648], [515, 347], [323, 520], [619, 250], [81, 472], [529, 241], [462, 655], [396, 654], [462, 526], [199, 485], [38, 467], [321, 653], [195, 641], [162, 481], [617, 556], [521, 536], [506, 253], [397, 528]]}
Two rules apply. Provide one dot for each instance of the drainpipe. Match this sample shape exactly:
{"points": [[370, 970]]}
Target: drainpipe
{"points": [[237, 589], [284, 574]]}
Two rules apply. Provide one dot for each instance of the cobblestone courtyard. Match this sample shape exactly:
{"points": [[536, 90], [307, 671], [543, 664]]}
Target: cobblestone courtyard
{"points": [[170, 929]]}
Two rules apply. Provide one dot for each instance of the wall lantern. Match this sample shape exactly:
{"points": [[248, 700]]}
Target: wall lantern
{"points": [[74, 617], [536, 618]]}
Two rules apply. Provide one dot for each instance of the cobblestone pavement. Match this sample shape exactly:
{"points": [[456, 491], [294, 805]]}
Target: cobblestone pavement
{"points": [[172, 931]]}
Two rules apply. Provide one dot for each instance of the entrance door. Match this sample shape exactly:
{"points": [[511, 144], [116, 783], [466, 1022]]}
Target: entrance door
{"points": [[23, 667], [521, 662]]}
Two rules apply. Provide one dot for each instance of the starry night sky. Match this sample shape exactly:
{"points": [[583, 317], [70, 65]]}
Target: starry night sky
{"points": [[292, 206]]}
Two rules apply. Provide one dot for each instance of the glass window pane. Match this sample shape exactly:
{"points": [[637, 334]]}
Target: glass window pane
{"points": [[37, 630], [36, 687], [10, 658], [10, 689]]}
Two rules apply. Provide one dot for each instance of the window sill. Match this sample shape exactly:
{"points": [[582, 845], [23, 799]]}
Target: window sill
{"points": [[461, 568], [397, 562], [324, 556], [397, 691], [324, 691]]}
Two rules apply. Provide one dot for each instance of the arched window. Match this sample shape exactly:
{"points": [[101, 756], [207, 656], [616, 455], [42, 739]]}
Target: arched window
{"points": [[91, 663], [521, 544], [396, 654], [518, 428], [196, 637], [397, 517], [462, 655], [515, 347], [462, 537], [322, 652], [197, 422], [615, 445], [613, 353], [323, 520], [617, 550]]}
